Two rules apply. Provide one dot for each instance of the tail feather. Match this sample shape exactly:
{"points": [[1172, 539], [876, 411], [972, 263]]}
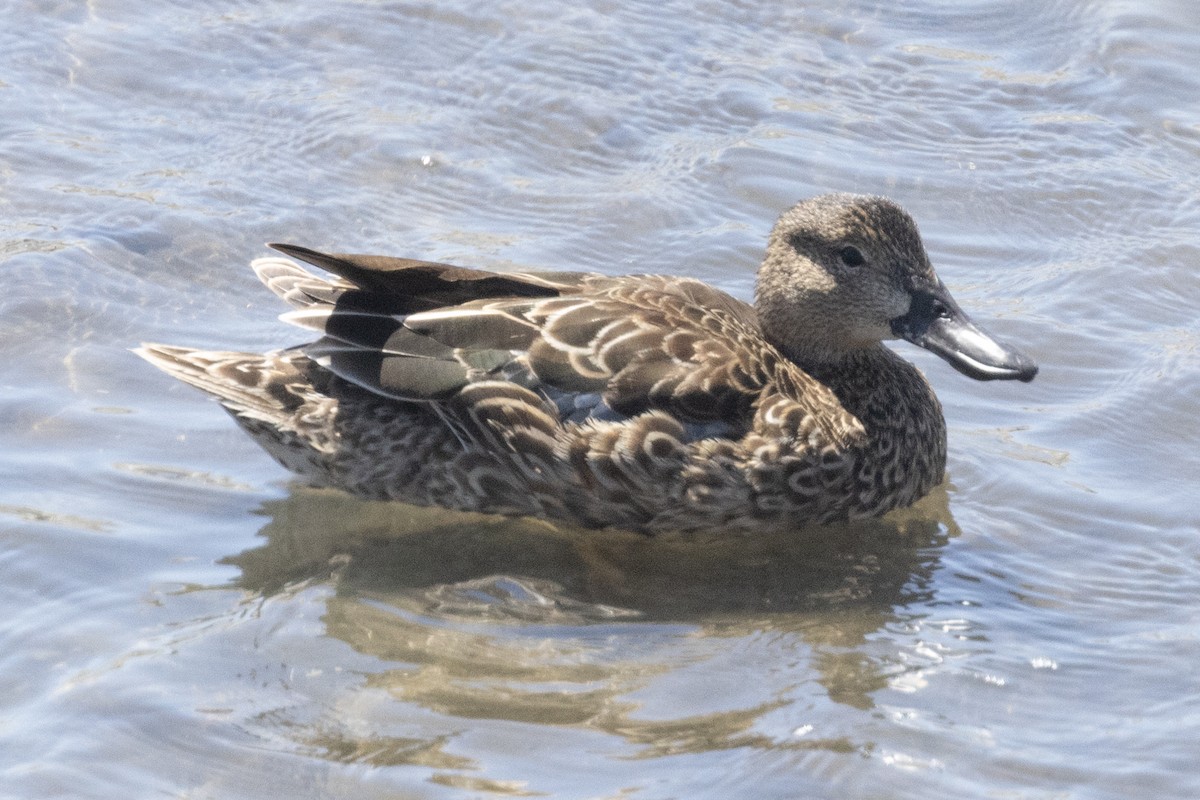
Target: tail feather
{"points": [[297, 286], [266, 387]]}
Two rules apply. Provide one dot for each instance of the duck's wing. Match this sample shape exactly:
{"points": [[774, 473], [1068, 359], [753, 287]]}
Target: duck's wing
{"points": [[653, 342], [594, 346]]}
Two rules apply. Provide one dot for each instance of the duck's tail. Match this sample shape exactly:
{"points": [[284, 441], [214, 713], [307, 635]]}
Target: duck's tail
{"points": [[267, 387], [271, 396]]}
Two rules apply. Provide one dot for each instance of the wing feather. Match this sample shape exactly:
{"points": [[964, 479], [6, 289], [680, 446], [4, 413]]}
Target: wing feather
{"points": [[423, 331]]}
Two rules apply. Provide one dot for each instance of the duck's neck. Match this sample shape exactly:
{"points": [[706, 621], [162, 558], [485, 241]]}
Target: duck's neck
{"points": [[902, 416]]}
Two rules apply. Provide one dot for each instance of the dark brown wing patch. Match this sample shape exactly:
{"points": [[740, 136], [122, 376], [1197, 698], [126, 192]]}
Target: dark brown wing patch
{"points": [[434, 283]]}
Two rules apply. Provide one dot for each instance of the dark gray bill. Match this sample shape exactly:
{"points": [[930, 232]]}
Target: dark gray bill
{"points": [[935, 322]]}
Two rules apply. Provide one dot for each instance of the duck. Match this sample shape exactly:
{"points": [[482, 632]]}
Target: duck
{"points": [[649, 403]]}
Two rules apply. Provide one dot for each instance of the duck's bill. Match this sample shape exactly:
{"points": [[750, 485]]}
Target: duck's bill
{"points": [[935, 322]]}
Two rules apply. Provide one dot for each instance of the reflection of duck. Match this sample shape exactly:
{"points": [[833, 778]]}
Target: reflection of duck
{"points": [[514, 619], [432, 561], [647, 402]]}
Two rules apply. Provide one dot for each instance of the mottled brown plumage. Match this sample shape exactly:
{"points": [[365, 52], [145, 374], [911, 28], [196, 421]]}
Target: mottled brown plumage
{"points": [[644, 402]]}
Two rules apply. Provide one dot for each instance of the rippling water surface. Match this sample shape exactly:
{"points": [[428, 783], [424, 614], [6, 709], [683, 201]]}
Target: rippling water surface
{"points": [[178, 618]]}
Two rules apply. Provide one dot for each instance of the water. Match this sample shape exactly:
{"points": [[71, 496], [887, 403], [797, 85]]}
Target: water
{"points": [[181, 619]]}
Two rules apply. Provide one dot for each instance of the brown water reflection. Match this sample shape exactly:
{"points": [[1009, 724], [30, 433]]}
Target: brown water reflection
{"points": [[519, 621]]}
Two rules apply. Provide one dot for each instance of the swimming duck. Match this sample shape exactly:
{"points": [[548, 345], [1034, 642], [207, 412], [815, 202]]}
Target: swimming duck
{"points": [[643, 402]]}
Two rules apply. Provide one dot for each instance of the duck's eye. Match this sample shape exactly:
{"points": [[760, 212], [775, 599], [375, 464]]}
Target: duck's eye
{"points": [[851, 256]]}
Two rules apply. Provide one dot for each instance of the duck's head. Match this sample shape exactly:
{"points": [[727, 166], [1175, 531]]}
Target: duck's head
{"points": [[844, 272]]}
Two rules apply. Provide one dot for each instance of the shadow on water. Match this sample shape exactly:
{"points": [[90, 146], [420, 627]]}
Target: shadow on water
{"points": [[514, 619]]}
